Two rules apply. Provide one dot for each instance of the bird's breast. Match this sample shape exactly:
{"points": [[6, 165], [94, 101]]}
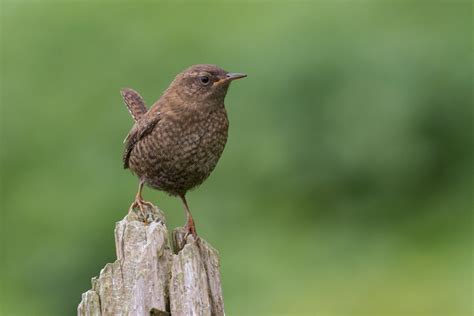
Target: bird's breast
{"points": [[198, 136], [181, 152]]}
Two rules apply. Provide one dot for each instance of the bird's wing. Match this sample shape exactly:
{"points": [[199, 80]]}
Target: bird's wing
{"points": [[134, 102], [141, 128]]}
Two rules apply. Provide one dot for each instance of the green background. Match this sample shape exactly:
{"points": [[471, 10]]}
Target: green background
{"points": [[346, 184]]}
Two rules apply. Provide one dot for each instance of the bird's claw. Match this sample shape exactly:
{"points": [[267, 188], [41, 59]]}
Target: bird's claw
{"points": [[190, 230], [140, 203]]}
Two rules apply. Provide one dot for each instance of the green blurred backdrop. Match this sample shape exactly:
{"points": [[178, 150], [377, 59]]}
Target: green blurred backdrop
{"points": [[345, 187]]}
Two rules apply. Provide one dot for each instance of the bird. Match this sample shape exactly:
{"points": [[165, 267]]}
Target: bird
{"points": [[175, 144]]}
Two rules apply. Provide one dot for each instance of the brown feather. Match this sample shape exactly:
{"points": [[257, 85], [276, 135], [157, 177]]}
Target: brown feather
{"points": [[134, 102], [176, 145], [139, 130]]}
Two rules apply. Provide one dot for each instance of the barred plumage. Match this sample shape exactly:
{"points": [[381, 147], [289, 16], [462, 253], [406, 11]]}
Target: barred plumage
{"points": [[176, 145]]}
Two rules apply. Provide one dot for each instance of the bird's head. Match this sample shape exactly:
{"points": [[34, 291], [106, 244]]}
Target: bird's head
{"points": [[203, 84]]}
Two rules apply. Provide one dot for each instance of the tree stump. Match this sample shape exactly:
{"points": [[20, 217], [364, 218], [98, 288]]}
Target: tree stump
{"points": [[148, 278]]}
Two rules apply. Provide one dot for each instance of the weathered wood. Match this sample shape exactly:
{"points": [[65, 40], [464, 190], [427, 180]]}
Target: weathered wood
{"points": [[148, 279], [197, 258]]}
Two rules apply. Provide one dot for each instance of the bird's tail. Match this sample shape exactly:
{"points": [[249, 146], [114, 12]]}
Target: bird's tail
{"points": [[134, 102]]}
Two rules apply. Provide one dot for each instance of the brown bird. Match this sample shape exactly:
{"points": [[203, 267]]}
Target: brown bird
{"points": [[175, 145]]}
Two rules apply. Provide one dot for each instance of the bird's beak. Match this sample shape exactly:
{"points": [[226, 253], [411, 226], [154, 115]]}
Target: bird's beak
{"points": [[230, 77], [235, 75]]}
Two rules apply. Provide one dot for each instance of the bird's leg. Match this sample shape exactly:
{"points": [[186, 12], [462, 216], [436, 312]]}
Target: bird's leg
{"points": [[140, 202], [190, 227]]}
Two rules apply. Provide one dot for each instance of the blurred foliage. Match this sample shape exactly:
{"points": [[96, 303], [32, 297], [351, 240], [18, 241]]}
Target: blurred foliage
{"points": [[346, 184]]}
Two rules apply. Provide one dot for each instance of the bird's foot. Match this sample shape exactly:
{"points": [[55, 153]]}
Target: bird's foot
{"points": [[141, 204], [190, 229]]}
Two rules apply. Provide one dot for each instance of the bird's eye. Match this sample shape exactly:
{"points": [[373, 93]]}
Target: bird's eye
{"points": [[204, 79]]}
